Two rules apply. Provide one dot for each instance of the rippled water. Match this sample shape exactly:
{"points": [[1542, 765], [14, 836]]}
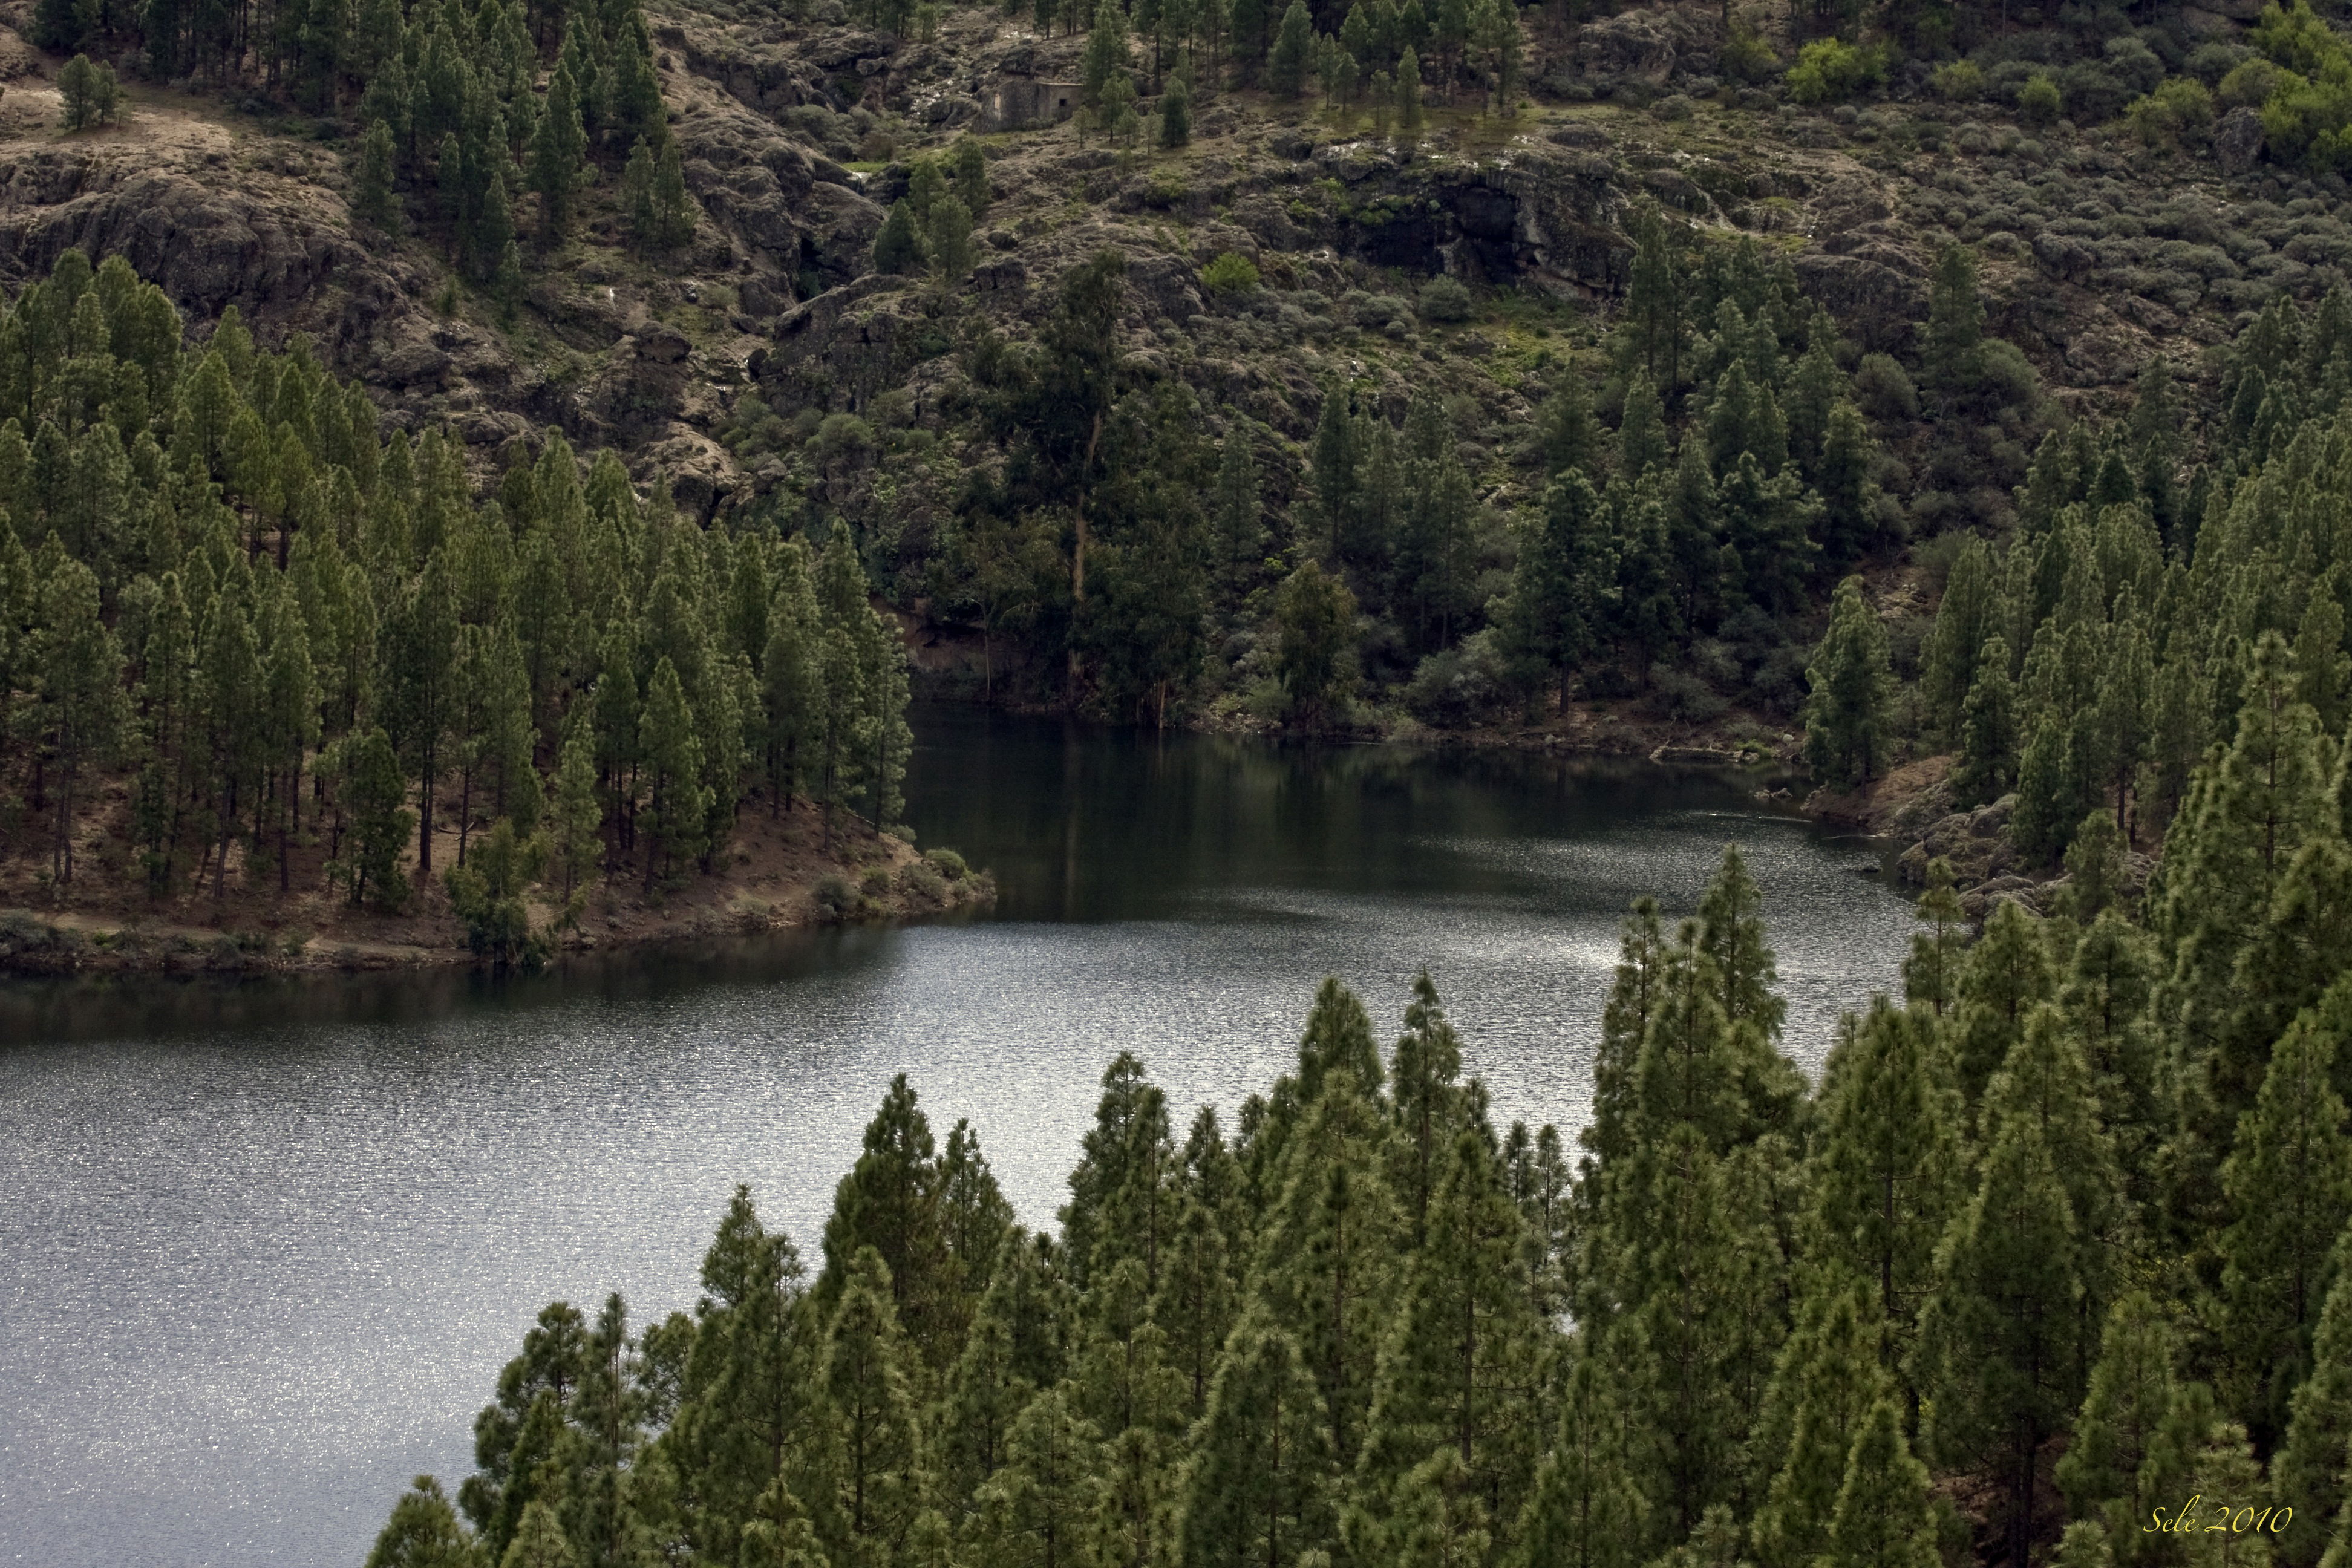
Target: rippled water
{"points": [[263, 1250]]}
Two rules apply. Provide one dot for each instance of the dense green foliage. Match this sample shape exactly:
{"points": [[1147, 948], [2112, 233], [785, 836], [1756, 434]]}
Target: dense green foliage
{"points": [[2091, 659], [2070, 1219], [318, 652], [1739, 486]]}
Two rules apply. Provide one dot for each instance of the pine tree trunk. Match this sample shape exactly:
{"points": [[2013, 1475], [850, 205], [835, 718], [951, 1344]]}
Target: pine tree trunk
{"points": [[465, 808], [424, 818], [65, 822]]}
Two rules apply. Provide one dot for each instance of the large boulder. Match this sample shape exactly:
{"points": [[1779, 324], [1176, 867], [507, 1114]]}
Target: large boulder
{"points": [[1867, 296], [2238, 140], [1639, 43]]}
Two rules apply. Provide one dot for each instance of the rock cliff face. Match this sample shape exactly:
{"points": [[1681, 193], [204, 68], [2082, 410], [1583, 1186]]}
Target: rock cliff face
{"points": [[795, 139]]}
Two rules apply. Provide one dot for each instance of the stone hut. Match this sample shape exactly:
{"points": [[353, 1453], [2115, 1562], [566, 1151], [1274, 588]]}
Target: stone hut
{"points": [[1023, 99]]}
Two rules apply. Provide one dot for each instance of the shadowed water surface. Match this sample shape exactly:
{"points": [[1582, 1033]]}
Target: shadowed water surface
{"points": [[264, 1247]]}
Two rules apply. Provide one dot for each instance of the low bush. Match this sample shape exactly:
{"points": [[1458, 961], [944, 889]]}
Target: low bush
{"points": [[1830, 71], [836, 897], [1746, 58], [1884, 389], [2038, 100], [1959, 81], [1443, 300], [1231, 273], [2179, 111]]}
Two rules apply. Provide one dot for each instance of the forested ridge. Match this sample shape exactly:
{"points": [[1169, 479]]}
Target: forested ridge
{"points": [[311, 657], [1369, 368]]}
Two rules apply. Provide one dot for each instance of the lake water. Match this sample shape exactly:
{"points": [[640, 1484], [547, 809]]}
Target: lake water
{"points": [[263, 1248]]}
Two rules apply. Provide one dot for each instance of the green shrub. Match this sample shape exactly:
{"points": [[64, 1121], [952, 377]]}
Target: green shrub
{"points": [[874, 882], [2038, 101], [948, 863], [2249, 83], [1746, 57], [2307, 112], [488, 893], [836, 897], [1830, 71], [922, 880], [1443, 300], [2180, 110], [1231, 273], [1958, 83], [1884, 389]]}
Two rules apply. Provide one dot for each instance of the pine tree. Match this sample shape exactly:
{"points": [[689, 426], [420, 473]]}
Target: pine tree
{"points": [[878, 1469], [578, 818], [1043, 1506], [1882, 1519], [1408, 98], [984, 1393], [1931, 974], [538, 1542], [896, 247], [1828, 1384], [374, 792], [424, 1532], [1175, 116], [1997, 1354], [420, 639], [2225, 861], [1107, 51], [674, 769], [559, 151], [1440, 1519], [1561, 582], [1586, 1512], [82, 709], [2315, 1461], [2132, 1392], [968, 176], [637, 195], [1988, 734], [889, 1202], [1460, 1370], [1316, 615], [1566, 434], [674, 211], [1428, 1059], [1196, 1304], [1239, 507], [1953, 354], [1329, 1253], [1845, 716], [2289, 1178], [2007, 973], [1293, 49], [1887, 1166], [1259, 1487], [373, 201], [1850, 497], [1966, 620], [947, 236]]}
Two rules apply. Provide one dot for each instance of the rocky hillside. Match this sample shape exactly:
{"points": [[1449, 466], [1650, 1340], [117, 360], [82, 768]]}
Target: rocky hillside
{"points": [[716, 366]]}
